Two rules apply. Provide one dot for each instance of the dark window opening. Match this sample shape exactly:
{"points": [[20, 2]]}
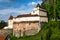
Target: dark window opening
{"points": [[33, 11], [43, 23], [29, 23]]}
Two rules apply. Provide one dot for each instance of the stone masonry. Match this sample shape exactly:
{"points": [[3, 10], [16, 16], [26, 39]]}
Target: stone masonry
{"points": [[27, 28]]}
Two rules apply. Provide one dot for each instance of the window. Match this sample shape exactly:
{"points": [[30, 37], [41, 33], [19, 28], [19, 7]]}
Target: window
{"points": [[29, 23], [42, 23], [18, 24], [33, 11]]}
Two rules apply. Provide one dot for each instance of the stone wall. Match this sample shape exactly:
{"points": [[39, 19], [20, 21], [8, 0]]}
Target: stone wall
{"points": [[5, 31], [31, 32], [20, 29]]}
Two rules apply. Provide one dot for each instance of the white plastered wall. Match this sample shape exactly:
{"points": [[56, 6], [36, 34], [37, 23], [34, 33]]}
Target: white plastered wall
{"points": [[37, 18], [10, 23], [35, 11]]}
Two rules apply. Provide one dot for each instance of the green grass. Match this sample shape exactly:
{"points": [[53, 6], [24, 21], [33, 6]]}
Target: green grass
{"points": [[50, 31]]}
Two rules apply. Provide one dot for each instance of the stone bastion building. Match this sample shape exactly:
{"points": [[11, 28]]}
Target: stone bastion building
{"points": [[28, 24]]}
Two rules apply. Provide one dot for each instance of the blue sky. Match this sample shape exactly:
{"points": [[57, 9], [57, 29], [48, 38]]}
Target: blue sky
{"points": [[16, 7]]}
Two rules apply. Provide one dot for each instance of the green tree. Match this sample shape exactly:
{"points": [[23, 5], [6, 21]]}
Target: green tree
{"points": [[51, 8], [54, 9], [48, 7], [3, 24], [49, 33], [58, 8], [42, 37]]}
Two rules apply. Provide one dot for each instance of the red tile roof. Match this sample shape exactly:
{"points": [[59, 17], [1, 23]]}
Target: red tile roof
{"points": [[2, 37], [27, 15], [11, 17], [38, 5]]}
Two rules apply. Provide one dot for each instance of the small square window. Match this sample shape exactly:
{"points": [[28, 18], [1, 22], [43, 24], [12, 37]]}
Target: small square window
{"points": [[29, 23], [33, 11]]}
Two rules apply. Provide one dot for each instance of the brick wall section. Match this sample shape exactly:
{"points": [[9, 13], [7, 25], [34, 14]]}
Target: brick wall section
{"points": [[25, 29]]}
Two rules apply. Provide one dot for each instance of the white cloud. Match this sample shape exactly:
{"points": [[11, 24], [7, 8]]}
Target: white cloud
{"points": [[34, 3], [39, 2], [8, 11], [21, 10], [14, 10]]}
